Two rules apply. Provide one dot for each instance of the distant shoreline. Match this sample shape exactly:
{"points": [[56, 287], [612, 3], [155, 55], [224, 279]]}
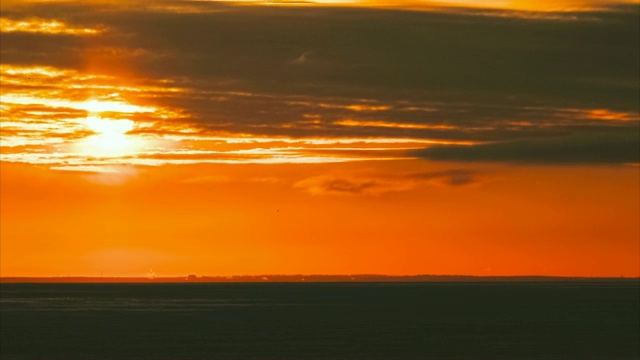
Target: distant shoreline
{"points": [[316, 279]]}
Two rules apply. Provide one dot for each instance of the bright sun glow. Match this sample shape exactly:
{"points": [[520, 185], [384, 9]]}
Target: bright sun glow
{"points": [[108, 127], [111, 138]]}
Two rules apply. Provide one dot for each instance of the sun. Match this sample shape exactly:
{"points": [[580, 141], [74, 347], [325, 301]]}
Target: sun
{"points": [[109, 127], [111, 138]]}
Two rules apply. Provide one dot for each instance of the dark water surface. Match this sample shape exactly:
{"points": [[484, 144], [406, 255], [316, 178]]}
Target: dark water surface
{"points": [[321, 321]]}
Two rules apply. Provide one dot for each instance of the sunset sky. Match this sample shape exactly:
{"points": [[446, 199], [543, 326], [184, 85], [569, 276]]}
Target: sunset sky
{"points": [[320, 137]]}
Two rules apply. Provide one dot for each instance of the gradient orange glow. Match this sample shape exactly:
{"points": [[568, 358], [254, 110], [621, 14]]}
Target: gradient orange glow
{"points": [[259, 219]]}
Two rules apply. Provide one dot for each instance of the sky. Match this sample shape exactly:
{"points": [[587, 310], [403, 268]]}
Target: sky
{"points": [[320, 137]]}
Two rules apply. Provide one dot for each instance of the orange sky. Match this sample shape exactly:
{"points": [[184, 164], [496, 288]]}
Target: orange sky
{"points": [[253, 219], [129, 146]]}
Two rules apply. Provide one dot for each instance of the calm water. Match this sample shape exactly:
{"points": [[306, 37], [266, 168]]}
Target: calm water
{"points": [[320, 321]]}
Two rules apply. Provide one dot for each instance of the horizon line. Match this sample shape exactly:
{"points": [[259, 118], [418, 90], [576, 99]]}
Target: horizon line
{"points": [[301, 278]]}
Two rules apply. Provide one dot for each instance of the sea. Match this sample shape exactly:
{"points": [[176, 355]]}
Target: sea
{"points": [[521, 320]]}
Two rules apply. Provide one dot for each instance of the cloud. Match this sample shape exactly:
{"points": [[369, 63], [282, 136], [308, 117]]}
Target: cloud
{"points": [[594, 149], [455, 177], [374, 185], [494, 57], [345, 185], [301, 59], [214, 72], [44, 26]]}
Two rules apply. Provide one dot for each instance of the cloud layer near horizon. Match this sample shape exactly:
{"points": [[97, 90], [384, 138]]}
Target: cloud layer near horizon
{"points": [[220, 82]]}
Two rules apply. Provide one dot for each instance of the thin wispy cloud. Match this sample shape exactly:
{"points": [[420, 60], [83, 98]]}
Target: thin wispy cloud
{"points": [[376, 184]]}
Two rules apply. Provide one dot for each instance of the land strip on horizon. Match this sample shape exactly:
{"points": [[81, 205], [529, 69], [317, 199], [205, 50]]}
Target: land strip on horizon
{"points": [[310, 278]]}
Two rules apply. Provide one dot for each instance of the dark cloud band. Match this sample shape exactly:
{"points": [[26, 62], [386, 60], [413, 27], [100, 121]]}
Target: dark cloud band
{"points": [[605, 149]]}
